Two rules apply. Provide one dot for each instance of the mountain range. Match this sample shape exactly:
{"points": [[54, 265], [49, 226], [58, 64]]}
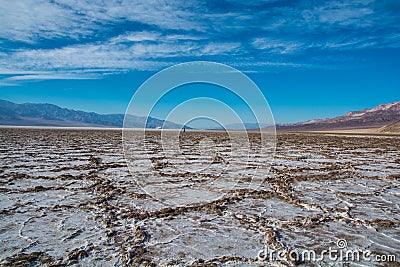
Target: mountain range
{"points": [[386, 117], [30, 114], [380, 116]]}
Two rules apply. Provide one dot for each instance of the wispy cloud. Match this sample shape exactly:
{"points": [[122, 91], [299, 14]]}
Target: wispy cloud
{"points": [[136, 37], [51, 76], [29, 21], [87, 37], [278, 46], [109, 55], [22, 76]]}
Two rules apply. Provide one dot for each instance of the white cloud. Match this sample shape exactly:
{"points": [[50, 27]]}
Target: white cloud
{"points": [[50, 76], [6, 83], [111, 55], [360, 42], [344, 15], [219, 48], [19, 72], [23, 76], [31, 20], [278, 46], [136, 37], [92, 37]]}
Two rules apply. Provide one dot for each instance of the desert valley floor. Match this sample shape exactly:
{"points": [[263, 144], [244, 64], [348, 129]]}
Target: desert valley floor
{"points": [[68, 198]]}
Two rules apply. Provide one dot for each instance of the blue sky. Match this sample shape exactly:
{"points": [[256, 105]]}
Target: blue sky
{"points": [[311, 59]]}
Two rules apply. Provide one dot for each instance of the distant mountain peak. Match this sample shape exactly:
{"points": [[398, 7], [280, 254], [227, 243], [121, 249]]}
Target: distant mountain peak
{"points": [[381, 115], [393, 105], [32, 114]]}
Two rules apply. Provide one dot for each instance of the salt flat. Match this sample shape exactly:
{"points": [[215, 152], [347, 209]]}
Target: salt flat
{"points": [[68, 198]]}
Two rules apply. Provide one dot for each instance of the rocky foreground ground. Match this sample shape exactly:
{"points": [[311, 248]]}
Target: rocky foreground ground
{"points": [[68, 198]]}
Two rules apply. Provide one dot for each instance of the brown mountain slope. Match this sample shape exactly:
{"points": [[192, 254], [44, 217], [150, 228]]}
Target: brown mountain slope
{"points": [[391, 128], [379, 116]]}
